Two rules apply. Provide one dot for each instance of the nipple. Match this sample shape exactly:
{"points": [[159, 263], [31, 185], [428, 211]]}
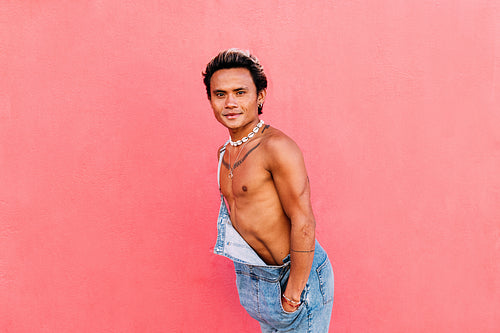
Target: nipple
{"points": [[244, 188]]}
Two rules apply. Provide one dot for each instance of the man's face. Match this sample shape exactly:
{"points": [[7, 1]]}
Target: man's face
{"points": [[234, 97]]}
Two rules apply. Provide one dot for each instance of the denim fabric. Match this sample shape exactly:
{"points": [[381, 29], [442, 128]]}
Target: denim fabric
{"points": [[260, 286], [260, 289]]}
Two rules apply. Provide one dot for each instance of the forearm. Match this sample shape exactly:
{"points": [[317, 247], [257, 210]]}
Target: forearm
{"points": [[302, 241]]}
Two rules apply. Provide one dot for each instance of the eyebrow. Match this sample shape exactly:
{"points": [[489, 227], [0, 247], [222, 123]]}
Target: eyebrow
{"points": [[235, 89], [241, 88]]}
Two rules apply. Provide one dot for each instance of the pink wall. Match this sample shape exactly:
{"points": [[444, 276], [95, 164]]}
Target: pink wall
{"points": [[108, 196]]}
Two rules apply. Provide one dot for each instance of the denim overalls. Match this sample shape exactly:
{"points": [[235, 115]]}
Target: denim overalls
{"points": [[260, 286]]}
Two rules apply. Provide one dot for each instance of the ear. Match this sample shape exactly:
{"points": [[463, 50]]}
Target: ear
{"points": [[261, 96]]}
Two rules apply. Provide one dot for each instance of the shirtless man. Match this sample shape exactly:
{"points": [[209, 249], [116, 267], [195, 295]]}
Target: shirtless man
{"points": [[266, 224]]}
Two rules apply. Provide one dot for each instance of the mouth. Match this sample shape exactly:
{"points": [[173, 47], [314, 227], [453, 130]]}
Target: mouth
{"points": [[232, 115]]}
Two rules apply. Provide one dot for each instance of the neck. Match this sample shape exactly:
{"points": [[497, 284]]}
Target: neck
{"points": [[238, 133], [246, 138]]}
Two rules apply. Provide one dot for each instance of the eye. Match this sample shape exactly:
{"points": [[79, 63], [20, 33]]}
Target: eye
{"points": [[219, 94], [240, 93]]}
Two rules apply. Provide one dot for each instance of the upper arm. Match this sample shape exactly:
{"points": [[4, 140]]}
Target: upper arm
{"points": [[290, 177]]}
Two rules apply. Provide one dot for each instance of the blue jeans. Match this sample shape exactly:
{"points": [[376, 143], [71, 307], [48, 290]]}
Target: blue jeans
{"points": [[260, 289], [260, 286]]}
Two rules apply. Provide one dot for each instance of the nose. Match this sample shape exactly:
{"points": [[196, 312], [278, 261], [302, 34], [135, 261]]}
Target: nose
{"points": [[230, 101]]}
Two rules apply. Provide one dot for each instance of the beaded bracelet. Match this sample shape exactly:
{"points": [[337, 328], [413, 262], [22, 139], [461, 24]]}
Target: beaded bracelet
{"points": [[291, 303]]}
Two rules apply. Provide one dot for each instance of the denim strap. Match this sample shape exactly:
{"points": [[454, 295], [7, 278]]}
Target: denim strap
{"points": [[221, 155]]}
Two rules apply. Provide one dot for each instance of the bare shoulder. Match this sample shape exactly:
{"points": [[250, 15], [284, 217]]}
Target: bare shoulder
{"points": [[276, 141], [280, 147]]}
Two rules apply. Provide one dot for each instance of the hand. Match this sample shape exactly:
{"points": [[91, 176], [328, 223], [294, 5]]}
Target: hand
{"points": [[287, 307]]}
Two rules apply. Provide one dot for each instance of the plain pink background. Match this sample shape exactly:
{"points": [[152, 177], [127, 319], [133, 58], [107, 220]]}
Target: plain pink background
{"points": [[108, 195]]}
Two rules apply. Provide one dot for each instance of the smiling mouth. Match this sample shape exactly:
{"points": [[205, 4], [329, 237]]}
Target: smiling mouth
{"points": [[231, 115]]}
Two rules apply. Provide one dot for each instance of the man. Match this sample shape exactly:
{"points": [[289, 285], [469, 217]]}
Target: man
{"points": [[266, 224]]}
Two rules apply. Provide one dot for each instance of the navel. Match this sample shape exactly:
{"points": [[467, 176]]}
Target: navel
{"points": [[244, 188]]}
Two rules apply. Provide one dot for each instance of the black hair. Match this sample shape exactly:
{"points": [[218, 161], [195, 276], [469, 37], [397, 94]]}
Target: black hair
{"points": [[236, 58]]}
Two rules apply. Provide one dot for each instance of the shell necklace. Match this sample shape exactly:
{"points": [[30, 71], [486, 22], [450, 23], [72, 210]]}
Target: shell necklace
{"points": [[248, 137]]}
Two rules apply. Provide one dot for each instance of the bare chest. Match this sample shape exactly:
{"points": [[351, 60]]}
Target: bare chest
{"points": [[243, 176]]}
